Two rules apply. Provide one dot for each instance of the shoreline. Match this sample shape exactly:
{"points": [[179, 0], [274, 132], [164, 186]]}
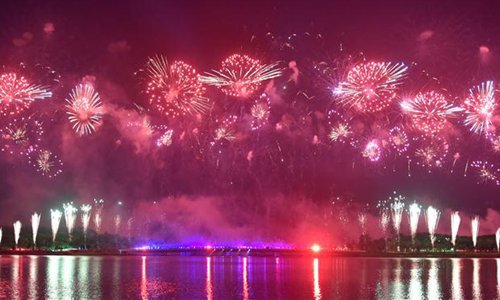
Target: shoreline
{"points": [[223, 252]]}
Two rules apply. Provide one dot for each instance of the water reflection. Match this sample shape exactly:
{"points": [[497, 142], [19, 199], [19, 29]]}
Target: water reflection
{"points": [[398, 286], [33, 278], [53, 276], [317, 290], [433, 287], [245, 279], [476, 285], [416, 288], [498, 278], [144, 279], [456, 285], [208, 284]]}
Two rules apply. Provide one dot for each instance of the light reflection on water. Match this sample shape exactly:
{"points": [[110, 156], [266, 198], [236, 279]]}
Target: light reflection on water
{"points": [[91, 277]]}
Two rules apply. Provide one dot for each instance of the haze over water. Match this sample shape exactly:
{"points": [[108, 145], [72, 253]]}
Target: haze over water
{"points": [[182, 277]]}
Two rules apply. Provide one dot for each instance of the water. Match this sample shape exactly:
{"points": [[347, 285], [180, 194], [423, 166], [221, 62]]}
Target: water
{"points": [[183, 277]]}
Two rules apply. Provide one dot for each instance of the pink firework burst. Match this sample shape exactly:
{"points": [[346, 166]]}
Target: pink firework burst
{"points": [[17, 93], [21, 136], [429, 111], [340, 133], [371, 87], [486, 172], [372, 151], [398, 139], [226, 130], [260, 112], [479, 107], [46, 163], [432, 152], [241, 75], [174, 89], [84, 109]]}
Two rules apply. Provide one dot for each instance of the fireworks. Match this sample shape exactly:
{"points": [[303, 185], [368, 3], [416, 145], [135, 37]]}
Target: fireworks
{"points": [[432, 217], [486, 172], [46, 163], [84, 109], [455, 224], [429, 111], [241, 76], [17, 93], [226, 130], [21, 136], [260, 112], [479, 107], [414, 214], [339, 133], [371, 87], [70, 218], [432, 152], [475, 229], [398, 140], [362, 222], [165, 139], [174, 89], [35, 223], [17, 231], [55, 220], [397, 208], [384, 221], [98, 206], [372, 151], [85, 219]]}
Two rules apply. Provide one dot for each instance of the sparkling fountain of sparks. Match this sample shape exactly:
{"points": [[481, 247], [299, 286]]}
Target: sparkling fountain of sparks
{"points": [[362, 222], [174, 89], [70, 218], [85, 220], [455, 224], [98, 206], [371, 87], [479, 107], [397, 208], [429, 111], [84, 109], [35, 223], [241, 75], [17, 93], [475, 229], [17, 231], [55, 220], [372, 150], [385, 219], [432, 217], [414, 214]]}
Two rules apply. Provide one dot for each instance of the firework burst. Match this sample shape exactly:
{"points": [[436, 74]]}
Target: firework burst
{"points": [[260, 112], [46, 163], [84, 109], [398, 139], [241, 76], [17, 93], [21, 135], [226, 129], [174, 89], [372, 151], [479, 107], [432, 152], [340, 133], [165, 138], [371, 87], [429, 111], [486, 172]]}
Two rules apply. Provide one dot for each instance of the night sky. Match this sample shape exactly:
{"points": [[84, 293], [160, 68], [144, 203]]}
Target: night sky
{"points": [[290, 181]]}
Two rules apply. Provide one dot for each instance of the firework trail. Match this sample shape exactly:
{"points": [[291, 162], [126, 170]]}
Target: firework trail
{"points": [[414, 214], [497, 238], [455, 224], [432, 217], [372, 151], [46, 163], [17, 231], [70, 218], [85, 220], [21, 135], [486, 172], [84, 109], [35, 223], [429, 111], [98, 206], [371, 87], [240, 75], [55, 220], [479, 107], [174, 89], [260, 112], [475, 229], [17, 94]]}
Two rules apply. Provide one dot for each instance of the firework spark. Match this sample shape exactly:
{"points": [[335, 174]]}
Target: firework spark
{"points": [[70, 218], [241, 76], [35, 223], [432, 217], [475, 229], [414, 214], [17, 231], [17, 93], [84, 109], [371, 87], [55, 220], [372, 150], [429, 111], [174, 89], [46, 163], [455, 224], [479, 107]]}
